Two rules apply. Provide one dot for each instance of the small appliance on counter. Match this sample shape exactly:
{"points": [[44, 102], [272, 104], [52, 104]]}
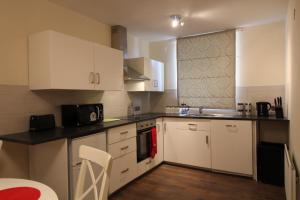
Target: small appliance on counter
{"points": [[41, 122], [81, 114], [263, 109], [244, 109], [278, 107]]}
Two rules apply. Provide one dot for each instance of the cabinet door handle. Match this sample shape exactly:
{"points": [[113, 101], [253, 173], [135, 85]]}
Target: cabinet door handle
{"points": [[207, 139], [192, 127], [230, 126], [124, 148], [158, 128], [165, 128], [92, 77], [124, 171], [98, 78], [124, 132]]}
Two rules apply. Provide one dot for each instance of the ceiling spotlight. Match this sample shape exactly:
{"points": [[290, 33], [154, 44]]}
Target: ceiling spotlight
{"points": [[176, 20]]}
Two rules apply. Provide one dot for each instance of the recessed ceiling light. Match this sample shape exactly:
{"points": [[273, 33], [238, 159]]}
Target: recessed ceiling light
{"points": [[176, 20]]}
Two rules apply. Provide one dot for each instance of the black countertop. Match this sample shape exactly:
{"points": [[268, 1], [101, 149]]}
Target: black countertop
{"points": [[33, 138]]}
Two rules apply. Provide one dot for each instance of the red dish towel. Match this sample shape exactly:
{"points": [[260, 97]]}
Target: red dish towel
{"points": [[20, 193], [153, 142]]}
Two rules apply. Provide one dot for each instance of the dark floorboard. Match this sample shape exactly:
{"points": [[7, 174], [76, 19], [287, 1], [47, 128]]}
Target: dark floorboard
{"points": [[178, 183]]}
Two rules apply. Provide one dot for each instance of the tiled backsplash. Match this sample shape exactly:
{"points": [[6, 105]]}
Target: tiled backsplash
{"points": [[159, 100], [17, 103], [254, 94], [251, 95]]}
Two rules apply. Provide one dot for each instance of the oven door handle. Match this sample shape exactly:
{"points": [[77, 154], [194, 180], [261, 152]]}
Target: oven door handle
{"points": [[143, 132]]}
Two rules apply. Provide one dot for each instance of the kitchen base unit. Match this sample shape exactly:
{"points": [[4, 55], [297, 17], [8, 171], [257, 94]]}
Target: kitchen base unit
{"points": [[122, 147], [187, 141], [98, 141], [232, 146]]}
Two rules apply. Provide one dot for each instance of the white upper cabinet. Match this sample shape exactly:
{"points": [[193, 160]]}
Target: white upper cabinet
{"points": [[152, 69], [108, 68], [59, 61]]}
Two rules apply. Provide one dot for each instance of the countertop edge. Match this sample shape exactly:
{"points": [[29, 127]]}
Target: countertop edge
{"points": [[27, 138]]}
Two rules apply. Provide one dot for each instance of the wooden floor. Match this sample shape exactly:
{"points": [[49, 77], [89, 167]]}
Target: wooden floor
{"points": [[177, 183]]}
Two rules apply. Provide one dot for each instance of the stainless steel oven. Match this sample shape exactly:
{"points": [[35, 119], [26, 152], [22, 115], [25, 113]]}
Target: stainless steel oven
{"points": [[144, 130]]}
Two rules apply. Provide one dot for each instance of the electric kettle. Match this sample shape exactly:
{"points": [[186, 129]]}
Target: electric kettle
{"points": [[263, 109]]}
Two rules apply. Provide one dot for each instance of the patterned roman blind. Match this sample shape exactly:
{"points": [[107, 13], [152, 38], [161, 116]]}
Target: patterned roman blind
{"points": [[206, 70]]}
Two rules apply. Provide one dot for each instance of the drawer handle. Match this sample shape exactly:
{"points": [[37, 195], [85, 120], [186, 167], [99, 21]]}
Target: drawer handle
{"points": [[124, 148], [192, 124], [123, 133], [124, 171], [230, 126], [147, 163], [207, 139]]}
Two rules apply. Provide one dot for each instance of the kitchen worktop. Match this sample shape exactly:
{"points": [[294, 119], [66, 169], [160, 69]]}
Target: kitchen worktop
{"points": [[33, 138]]}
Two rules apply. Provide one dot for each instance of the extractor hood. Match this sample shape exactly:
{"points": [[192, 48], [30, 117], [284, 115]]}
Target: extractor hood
{"points": [[119, 41], [132, 75]]}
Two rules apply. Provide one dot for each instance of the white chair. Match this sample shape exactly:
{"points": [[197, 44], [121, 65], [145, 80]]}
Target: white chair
{"points": [[88, 155]]}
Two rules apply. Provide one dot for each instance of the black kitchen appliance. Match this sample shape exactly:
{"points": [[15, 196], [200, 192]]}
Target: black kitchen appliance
{"points": [[271, 163], [81, 114], [263, 109], [278, 107], [41, 122], [144, 130]]}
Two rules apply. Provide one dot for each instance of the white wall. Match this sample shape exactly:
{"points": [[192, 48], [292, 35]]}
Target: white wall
{"points": [[261, 55], [293, 80], [136, 47], [165, 51]]}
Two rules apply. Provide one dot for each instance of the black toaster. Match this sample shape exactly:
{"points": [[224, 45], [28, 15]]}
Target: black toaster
{"points": [[41, 122]]}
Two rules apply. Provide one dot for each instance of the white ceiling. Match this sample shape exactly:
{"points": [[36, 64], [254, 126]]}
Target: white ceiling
{"points": [[149, 19]]}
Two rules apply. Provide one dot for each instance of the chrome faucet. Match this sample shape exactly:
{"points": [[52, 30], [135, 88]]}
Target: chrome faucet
{"points": [[201, 109]]}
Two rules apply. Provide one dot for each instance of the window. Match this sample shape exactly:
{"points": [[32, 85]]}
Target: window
{"points": [[206, 70]]}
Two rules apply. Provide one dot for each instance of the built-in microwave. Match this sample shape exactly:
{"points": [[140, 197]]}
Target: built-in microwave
{"points": [[81, 114]]}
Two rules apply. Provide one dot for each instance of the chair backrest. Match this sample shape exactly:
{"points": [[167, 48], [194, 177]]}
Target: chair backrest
{"points": [[92, 155]]}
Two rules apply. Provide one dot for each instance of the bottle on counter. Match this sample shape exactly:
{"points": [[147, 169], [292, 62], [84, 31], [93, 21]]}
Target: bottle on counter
{"points": [[130, 110]]}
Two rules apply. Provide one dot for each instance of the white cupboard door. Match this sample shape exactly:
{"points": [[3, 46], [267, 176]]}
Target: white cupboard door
{"points": [[190, 147], [71, 62], [159, 157], [157, 76], [108, 68], [232, 146], [124, 170]]}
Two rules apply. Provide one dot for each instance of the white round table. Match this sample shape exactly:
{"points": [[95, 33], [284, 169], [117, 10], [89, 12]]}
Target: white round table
{"points": [[46, 192]]}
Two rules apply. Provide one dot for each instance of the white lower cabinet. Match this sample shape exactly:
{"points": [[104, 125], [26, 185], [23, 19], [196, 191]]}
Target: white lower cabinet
{"points": [[187, 142], [159, 157], [145, 165], [122, 147], [231, 146], [124, 170]]}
